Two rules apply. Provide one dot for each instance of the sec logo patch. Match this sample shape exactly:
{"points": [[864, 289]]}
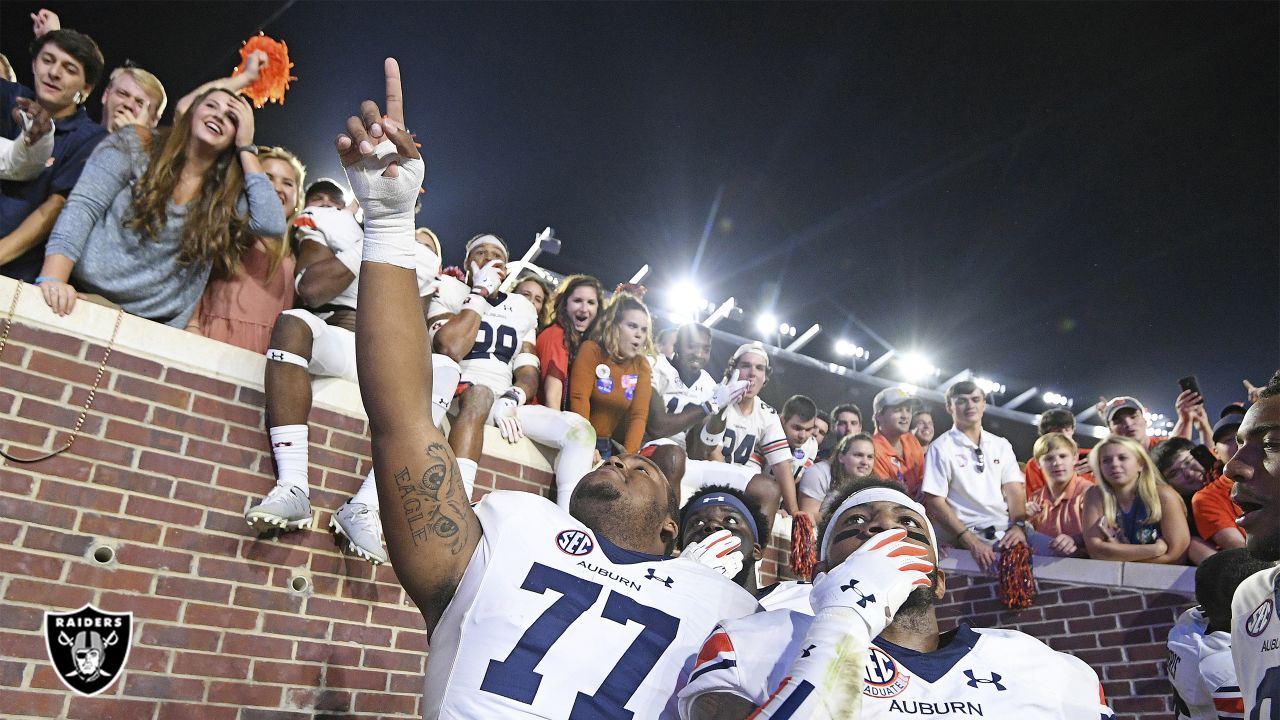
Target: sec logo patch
{"points": [[1260, 618], [884, 678], [574, 542]]}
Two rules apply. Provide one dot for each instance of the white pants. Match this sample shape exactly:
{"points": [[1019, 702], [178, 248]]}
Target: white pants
{"points": [[571, 435], [701, 473]]}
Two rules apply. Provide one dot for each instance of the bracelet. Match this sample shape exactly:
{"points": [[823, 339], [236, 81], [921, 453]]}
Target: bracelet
{"points": [[46, 278], [247, 148]]}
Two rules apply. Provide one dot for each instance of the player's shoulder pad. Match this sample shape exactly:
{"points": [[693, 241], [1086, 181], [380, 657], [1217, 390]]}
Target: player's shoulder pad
{"points": [[520, 303], [765, 407], [1033, 650], [778, 620]]}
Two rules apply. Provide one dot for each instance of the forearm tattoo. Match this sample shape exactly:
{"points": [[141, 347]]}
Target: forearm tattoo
{"points": [[433, 505]]}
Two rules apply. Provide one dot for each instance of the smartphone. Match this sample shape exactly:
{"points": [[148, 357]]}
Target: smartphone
{"points": [[1189, 383], [1204, 456]]}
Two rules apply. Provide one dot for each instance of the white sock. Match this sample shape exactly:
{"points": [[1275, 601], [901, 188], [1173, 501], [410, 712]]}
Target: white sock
{"points": [[289, 446], [467, 470], [367, 494], [445, 375]]}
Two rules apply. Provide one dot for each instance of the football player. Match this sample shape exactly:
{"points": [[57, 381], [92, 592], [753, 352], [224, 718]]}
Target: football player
{"points": [[578, 614]]}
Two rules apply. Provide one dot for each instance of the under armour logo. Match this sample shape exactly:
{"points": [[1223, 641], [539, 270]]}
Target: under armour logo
{"points": [[863, 598], [805, 652], [653, 576], [718, 498], [993, 680], [287, 443]]}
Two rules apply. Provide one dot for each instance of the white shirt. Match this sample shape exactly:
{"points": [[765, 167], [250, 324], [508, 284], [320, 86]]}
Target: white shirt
{"points": [[1201, 671], [754, 439], [1255, 642], [676, 396], [816, 481], [951, 471], [803, 457], [980, 673], [550, 617], [507, 322]]}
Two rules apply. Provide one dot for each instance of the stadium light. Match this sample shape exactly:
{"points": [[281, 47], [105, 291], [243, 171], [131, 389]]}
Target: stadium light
{"points": [[1053, 398], [989, 386], [719, 313], [783, 328], [804, 338], [767, 324], [845, 348], [685, 297], [915, 368]]}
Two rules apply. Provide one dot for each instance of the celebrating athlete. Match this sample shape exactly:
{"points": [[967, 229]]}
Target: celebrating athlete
{"points": [[575, 614]]}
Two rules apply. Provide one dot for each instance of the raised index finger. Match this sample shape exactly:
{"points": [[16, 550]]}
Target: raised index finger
{"points": [[395, 97]]}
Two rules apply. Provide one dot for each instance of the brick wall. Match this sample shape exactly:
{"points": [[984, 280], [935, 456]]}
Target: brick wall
{"points": [[172, 454]]}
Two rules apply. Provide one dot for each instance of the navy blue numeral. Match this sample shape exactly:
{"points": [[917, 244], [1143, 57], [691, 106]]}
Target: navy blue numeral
{"points": [[1268, 689], [501, 344], [738, 452], [514, 677]]}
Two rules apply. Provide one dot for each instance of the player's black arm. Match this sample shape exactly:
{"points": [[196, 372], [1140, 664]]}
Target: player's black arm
{"points": [[663, 424], [321, 275], [458, 335], [430, 528]]}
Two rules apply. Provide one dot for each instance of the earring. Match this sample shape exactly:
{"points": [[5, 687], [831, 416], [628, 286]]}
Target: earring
{"points": [[77, 98]]}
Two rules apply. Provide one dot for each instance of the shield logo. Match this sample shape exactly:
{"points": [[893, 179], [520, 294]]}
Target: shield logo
{"points": [[88, 647]]}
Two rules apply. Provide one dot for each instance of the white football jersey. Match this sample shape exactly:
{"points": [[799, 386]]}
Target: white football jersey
{"points": [[979, 673], [755, 439], [676, 396], [803, 458], [552, 621], [1255, 643], [1200, 669], [816, 481], [337, 230], [786, 595], [506, 324]]}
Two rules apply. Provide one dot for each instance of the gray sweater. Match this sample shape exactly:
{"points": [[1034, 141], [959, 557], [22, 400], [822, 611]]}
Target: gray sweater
{"points": [[141, 274]]}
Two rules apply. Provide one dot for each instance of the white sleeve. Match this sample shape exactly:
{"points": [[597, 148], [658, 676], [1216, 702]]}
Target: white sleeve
{"points": [[448, 298], [715, 671], [935, 481], [816, 481], [1011, 473], [21, 162], [773, 442], [1081, 693]]}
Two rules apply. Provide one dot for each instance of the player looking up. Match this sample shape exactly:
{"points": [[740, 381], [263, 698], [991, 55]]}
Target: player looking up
{"points": [[565, 614]]}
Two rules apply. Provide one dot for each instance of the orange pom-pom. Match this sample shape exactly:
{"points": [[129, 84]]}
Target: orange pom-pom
{"points": [[273, 78], [803, 550], [1017, 589]]}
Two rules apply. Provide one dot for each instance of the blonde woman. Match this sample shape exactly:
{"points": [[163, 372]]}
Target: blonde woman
{"points": [[1131, 514], [610, 377], [240, 308]]}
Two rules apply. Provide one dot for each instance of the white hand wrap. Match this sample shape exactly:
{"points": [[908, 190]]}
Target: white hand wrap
{"points": [[730, 390], [388, 204], [718, 551], [874, 580]]}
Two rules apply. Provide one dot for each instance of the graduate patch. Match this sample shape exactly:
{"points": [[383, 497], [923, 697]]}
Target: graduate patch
{"points": [[629, 386], [604, 385]]}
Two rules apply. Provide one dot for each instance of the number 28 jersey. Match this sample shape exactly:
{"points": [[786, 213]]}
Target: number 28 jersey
{"points": [[506, 323], [552, 621]]}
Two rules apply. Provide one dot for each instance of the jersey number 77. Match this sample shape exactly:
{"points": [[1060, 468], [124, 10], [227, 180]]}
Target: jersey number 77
{"points": [[515, 677]]}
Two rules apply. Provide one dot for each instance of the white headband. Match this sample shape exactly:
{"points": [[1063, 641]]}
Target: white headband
{"points": [[485, 239], [870, 495]]}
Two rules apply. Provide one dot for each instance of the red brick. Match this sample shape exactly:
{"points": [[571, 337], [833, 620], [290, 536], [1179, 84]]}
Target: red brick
{"points": [[62, 467], [43, 677], [100, 450], [251, 396], [389, 660], [119, 527], [101, 708], [203, 664], [1087, 593], [230, 412], [354, 444], [386, 703], [346, 677], [412, 640], [35, 437], [1156, 651], [15, 483], [288, 673], [175, 466], [202, 383], [16, 617], [11, 673], [16, 562], [143, 436], [260, 714], [337, 609], [397, 618], [148, 659], [154, 558], [163, 686], [259, 599], [353, 425], [1128, 636], [371, 592], [26, 383], [234, 570], [206, 496], [62, 368], [1072, 643], [252, 438], [26, 645], [226, 522], [322, 457], [406, 684], [132, 481], [249, 482], [109, 578], [1140, 706], [1103, 656], [322, 700], [275, 624], [1092, 624], [220, 453], [177, 636], [197, 541], [325, 652], [106, 403], [124, 361], [13, 354], [46, 339], [41, 592], [274, 553], [155, 392], [361, 634], [255, 645], [19, 702], [168, 511], [192, 589], [188, 424], [219, 616], [79, 495], [182, 711], [142, 606], [244, 694], [36, 513], [1134, 671]]}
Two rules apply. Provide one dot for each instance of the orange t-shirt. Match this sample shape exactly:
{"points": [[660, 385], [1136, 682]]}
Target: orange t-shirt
{"points": [[553, 361], [1213, 508], [1063, 516], [611, 395], [906, 468]]}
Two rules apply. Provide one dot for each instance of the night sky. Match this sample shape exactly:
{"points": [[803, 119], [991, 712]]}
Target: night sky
{"points": [[1078, 196]]}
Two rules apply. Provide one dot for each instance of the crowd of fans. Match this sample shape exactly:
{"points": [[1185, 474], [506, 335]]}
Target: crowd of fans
{"points": [[199, 227]]}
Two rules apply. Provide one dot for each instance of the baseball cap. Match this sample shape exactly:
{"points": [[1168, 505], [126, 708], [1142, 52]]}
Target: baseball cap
{"points": [[1235, 408], [326, 186], [890, 397], [751, 347], [1116, 404], [1228, 423]]}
